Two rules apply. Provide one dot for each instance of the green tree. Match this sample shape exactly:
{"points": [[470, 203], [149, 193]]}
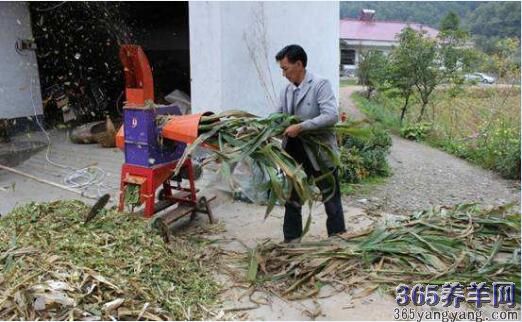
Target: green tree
{"points": [[401, 69], [371, 70], [415, 61], [427, 69], [505, 62], [454, 52], [500, 19], [421, 63], [450, 22], [453, 57]]}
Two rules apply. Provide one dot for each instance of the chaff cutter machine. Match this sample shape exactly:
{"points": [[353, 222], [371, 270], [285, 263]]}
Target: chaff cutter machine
{"points": [[152, 149]]}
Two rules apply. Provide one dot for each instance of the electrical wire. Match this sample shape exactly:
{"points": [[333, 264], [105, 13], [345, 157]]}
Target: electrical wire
{"points": [[44, 131], [76, 178]]}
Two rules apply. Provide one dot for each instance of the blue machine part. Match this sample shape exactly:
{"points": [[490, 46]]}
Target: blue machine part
{"points": [[143, 143]]}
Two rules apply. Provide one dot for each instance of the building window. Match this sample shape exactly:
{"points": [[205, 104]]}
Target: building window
{"points": [[348, 57]]}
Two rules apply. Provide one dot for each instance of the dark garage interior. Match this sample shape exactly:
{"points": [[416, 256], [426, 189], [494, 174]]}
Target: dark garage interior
{"points": [[77, 52]]}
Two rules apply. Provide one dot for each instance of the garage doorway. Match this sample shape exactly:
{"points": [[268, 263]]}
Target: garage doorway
{"points": [[77, 53]]}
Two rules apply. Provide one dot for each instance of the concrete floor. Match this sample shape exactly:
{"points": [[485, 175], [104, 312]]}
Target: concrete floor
{"points": [[17, 190]]}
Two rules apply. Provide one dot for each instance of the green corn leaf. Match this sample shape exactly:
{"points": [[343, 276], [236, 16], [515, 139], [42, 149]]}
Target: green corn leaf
{"points": [[252, 266]]}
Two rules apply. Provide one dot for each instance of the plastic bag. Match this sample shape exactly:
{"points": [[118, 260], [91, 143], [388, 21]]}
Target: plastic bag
{"points": [[181, 99]]}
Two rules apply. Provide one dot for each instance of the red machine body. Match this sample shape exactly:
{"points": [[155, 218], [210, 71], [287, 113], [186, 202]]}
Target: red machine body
{"points": [[139, 89]]}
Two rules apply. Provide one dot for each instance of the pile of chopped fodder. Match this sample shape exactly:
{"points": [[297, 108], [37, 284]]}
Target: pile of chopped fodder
{"points": [[55, 267], [461, 244]]}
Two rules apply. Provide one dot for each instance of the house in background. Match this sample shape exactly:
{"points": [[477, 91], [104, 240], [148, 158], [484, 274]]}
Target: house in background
{"points": [[365, 33]]}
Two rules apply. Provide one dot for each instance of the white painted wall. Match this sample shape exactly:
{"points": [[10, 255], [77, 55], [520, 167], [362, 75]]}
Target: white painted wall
{"points": [[225, 74], [17, 71]]}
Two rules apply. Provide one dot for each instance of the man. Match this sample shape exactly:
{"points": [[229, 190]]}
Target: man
{"points": [[311, 98]]}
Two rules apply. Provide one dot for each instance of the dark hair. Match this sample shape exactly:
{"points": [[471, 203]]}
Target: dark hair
{"points": [[293, 53]]}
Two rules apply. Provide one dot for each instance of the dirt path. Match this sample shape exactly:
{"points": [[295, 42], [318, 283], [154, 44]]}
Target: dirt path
{"points": [[424, 177], [347, 105]]}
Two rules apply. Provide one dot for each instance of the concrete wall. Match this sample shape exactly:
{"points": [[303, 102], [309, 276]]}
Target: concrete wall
{"points": [[18, 72], [233, 44]]}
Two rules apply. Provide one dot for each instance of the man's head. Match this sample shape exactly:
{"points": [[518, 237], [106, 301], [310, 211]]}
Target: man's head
{"points": [[292, 60]]}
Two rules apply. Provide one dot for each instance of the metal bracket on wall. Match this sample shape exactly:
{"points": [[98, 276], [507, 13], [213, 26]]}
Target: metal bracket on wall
{"points": [[24, 44]]}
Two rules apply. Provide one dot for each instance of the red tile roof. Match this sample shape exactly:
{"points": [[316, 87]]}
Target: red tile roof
{"points": [[378, 30]]}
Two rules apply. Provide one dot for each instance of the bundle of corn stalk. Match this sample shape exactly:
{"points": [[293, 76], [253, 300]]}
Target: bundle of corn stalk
{"points": [[461, 244], [53, 266], [236, 136]]}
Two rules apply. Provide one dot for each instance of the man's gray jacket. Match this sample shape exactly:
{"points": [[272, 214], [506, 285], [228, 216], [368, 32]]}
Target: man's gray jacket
{"points": [[316, 105]]}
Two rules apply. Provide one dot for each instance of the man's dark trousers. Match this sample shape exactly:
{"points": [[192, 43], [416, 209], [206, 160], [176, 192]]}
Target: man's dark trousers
{"points": [[293, 222]]}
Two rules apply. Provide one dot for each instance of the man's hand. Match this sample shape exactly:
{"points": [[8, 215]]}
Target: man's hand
{"points": [[293, 130]]}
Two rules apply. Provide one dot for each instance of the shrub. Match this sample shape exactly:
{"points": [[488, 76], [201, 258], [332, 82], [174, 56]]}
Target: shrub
{"points": [[503, 149], [489, 92], [416, 132], [352, 165], [453, 147], [365, 158], [496, 148], [509, 164]]}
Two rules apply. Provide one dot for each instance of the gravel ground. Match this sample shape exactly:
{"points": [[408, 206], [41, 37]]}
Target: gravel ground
{"points": [[424, 177]]}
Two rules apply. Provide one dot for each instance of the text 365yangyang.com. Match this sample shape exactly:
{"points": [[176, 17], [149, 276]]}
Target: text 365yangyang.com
{"points": [[412, 314]]}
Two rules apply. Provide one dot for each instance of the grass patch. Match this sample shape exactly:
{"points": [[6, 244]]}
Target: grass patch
{"points": [[381, 110], [348, 82], [479, 124]]}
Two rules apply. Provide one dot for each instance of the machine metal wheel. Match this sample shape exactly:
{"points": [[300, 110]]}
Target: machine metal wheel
{"points": [[198, 171]]}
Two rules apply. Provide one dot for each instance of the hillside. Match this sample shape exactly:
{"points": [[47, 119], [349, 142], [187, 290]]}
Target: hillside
{"points": [[484, 20]]}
